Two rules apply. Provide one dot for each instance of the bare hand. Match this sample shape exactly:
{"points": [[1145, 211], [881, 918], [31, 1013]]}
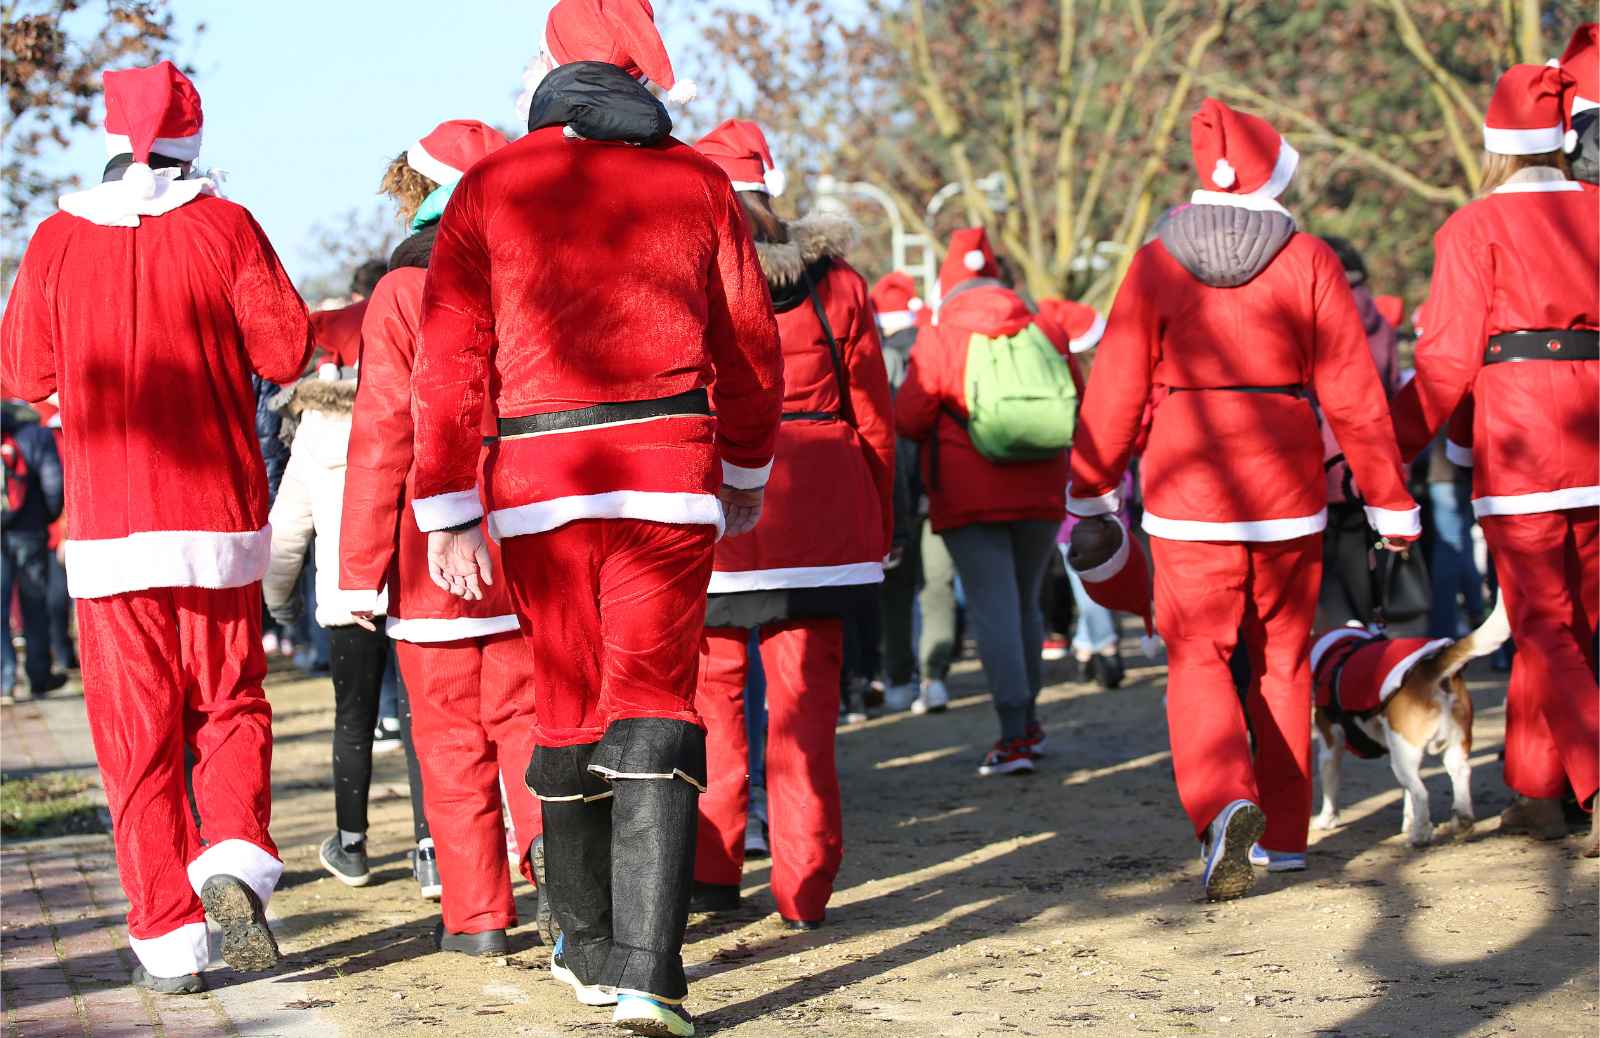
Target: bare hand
{"points": [[458, 561], [741, 509], [363, 619], [1400, 545]]}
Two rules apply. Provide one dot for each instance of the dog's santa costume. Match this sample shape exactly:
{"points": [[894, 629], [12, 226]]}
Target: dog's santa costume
{"points": [[1354, 672], [147, 302], [826, 527], [1512, 320], [466, 667], [596, 285], [1222, 328]]}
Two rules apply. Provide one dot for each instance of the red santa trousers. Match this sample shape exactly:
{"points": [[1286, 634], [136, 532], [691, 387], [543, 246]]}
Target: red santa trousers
{"points": [[614, 611], [802, 660], [1549, 569], [1210, 595], [472, 723], [164, 669]]}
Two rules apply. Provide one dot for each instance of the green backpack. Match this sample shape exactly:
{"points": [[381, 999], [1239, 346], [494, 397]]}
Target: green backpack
{"points": [[1021, 401]]}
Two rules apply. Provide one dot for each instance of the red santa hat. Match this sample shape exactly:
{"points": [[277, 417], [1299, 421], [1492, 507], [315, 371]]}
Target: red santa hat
{"points": [[1581, 60], [1391, 309], [1082, 323], [1527, 113], [740, 148], [895, 293], [618, 32], [968, 257], [151, 110], [452, 147], [1241, 159], [1122, 583]]}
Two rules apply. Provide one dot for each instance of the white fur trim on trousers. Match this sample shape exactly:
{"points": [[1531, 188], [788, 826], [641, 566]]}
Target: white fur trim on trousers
{"points": [[242, 860], [176, 953]]}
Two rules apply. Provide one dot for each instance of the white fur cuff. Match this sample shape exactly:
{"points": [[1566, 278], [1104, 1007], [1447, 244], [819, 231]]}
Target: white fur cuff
{"points": [[741, 478], [442, 511]]}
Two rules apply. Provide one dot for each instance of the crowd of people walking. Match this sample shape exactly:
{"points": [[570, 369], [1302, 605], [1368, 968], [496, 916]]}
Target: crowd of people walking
{"points": [[628, 479]]}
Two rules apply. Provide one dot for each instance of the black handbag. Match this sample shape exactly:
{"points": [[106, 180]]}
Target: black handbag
{"points": [[1401, 588]]}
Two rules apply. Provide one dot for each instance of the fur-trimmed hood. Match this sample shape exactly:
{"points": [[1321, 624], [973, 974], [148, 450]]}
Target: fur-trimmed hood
{"points": [[812, 238], [329, 396]]}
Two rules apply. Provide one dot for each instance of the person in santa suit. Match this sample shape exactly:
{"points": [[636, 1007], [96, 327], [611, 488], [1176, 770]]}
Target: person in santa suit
{"points": [[827, 525], [998, 520], [466, 669], [1513, 321], [1223, 327], [145, 290], [338, 331], [595, 284]]}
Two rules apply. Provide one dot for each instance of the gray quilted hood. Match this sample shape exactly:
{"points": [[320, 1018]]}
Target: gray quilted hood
{"points": [[1221, 245]]}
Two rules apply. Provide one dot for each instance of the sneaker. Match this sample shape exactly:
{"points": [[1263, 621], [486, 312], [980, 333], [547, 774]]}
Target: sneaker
{"points": [[247, 941], [1009, 757], [1276, 861], [487, 944], [1538, 818], [348, 865], [713, 897], [872, 697], [1054, 649], [933, 700], [852, 709], [588, 994], [1109, 671], [386, 737], [899, 697], [543, 914], [1227, 850], [269, 643], [425, 867], [53, 682], [1038, 745], [188, 984], [642, 1014]]}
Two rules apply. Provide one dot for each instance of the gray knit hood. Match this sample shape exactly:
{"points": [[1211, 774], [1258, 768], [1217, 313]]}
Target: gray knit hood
{"points": [[1224, 246]]}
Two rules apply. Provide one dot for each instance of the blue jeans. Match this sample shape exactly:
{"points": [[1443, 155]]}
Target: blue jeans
{"points": [[1453, 570], [25, 568], [1097, 628]]}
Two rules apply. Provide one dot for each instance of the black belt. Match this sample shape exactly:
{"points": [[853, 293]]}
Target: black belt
{"points": [[694, 403], [1551, 345], [1299, 392], [810, 416]]}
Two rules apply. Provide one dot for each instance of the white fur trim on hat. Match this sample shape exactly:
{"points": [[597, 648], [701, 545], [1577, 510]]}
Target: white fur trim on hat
{"points": [[1223, 175], [1523, 142], [184, 149], [1282, 171], [974, 260], [1112, 566], [682, 92], [435, 169], [1089, 339]]}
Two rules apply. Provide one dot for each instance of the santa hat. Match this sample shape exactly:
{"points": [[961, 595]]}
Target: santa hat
{"points": [[152, 110], [1241, 159], [740, 148], [968, 257], [1391, 309], [452, 147], [1581, 61], [895, 296], [1122, 583], [1082, 323], [1527, 113], [617, 32]]}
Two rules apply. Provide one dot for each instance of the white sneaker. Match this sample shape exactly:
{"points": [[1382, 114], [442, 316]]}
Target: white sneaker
{"points": [[755, 828], [899, 697], [1227, 850], [935, 697], [1276, 861], [386, 736]]}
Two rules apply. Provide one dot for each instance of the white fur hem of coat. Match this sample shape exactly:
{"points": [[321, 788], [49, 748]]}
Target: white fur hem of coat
{"points": [[1253, 531], [167, 558], [176, 953], [1543, 501], [425, 630], [676, 509], [846, 575], [242, 860]]}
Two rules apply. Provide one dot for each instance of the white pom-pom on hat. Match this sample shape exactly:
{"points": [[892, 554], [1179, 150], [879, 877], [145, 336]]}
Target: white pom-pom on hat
{"points": [[974, 260], [914, 304], [1569, 143], [775, 179], [1223, 175], [1151, 645], [141, 178], [682, 92]]}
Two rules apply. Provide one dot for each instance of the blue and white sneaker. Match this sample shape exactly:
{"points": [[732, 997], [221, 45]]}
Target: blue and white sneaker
{"points": [[588, 994], [642, 1014], [1227, 850], [1276, 861]]}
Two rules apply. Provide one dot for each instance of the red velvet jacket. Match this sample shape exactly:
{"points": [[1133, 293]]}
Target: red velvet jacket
{"points": [[963, 486], [150, 334], [570, 272], [829, 514], [1522, 259], [378, 544], [1223, 466]]}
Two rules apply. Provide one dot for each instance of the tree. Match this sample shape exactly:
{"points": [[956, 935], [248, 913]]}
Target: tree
{"points": [[344, 243], [51, 76]]}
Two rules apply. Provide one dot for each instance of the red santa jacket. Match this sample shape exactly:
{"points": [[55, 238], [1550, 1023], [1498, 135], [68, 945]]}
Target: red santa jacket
{"points": [[963, 486], [338, 335], [150, 333], [1522, 259], [379, 547], [570, 272], [828, 517], [1237, 466]]}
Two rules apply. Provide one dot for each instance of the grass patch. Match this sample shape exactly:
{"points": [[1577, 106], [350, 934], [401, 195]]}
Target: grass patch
{"points": [[55, 803]]}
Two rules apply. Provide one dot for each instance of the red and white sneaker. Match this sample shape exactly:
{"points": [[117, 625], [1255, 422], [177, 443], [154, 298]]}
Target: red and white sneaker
{"points": [[1035, 739], [1009, 757]]}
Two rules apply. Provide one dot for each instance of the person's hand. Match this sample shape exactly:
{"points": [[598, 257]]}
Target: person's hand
{"points": [[363, 619], [741, 509], [1397, 544], [896, 555], [458, 561], [1094, 540]]}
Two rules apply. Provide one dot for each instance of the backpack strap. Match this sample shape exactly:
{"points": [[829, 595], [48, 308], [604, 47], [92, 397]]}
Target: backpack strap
{"points": [[833, 347]]}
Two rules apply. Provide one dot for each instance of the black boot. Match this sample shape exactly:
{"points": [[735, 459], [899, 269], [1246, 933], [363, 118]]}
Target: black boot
{"points": [[657, 769], [576, 851]]}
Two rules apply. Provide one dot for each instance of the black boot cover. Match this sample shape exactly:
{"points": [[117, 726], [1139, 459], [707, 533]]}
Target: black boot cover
{"points": [[657, 769], [576, 805]]}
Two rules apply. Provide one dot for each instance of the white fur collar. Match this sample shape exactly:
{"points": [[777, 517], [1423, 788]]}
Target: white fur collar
{"points": [[119, 203]]}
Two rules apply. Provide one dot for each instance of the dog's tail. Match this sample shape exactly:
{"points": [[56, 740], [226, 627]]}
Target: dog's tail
{"points": [[1490, 635]]}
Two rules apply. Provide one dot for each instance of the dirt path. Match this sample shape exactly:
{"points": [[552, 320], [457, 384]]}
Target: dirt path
{"points": [[1064, 903]]}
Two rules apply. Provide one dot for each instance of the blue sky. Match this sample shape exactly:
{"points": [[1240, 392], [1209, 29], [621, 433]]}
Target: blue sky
{"points": [[306, 102]]}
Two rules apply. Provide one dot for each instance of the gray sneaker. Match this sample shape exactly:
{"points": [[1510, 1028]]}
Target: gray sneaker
{"points": [[348, 865], [188, 984], [425, 868]]}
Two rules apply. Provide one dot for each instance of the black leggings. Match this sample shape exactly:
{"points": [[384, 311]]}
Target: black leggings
{"points": [[357, 659]]}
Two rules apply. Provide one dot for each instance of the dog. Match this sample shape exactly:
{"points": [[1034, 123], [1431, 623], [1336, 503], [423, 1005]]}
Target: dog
{"points": [[1402, 698]]}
